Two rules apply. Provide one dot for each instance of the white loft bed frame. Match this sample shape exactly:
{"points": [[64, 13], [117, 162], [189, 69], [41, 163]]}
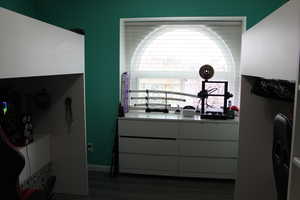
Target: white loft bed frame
{"points": [[35, 55], [271, 50]]}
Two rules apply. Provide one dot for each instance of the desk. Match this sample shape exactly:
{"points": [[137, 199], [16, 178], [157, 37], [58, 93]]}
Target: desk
{"points": [[173, 145]]}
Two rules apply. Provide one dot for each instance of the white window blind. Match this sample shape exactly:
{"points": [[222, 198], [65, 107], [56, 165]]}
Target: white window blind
{"points": [[164, 55]]}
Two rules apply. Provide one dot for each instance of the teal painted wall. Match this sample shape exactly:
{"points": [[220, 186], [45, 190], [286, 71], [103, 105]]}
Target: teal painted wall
{"points": [[25, 7], [100, 19]]}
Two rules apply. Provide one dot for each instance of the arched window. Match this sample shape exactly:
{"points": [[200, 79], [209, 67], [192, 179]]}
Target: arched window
{"points": [[169, 57], [179, 48]]}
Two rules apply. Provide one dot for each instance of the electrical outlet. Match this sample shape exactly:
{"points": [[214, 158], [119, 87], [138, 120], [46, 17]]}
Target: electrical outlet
{"points": [[90, 147]]}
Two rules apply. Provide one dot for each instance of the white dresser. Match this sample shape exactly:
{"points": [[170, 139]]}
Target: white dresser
{"points": [[169, 144]]}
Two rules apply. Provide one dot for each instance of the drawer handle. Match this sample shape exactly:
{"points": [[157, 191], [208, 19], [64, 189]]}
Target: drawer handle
{"points": [[148, 138]]}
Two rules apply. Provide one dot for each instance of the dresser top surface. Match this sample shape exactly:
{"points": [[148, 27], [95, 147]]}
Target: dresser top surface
{"points": [[171, 117]]}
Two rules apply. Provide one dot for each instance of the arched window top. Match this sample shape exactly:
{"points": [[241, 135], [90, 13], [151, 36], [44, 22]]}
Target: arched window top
{"points": [[180, 48]]}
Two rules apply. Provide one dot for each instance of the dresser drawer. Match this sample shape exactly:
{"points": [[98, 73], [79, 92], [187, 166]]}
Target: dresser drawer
{"points": [[210, 131], [142, 128], [148, 162], [225, 149], [148, 146], [208, 165]]}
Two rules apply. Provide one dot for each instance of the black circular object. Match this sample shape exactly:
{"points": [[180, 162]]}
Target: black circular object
{"points": [[206, 72]]}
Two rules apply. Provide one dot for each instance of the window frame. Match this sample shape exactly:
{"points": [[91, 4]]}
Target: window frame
{"points": [[122, 60]]}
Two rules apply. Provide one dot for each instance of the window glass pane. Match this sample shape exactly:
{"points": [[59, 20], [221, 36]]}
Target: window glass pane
{"points": [[180, 49], [159, 84]]}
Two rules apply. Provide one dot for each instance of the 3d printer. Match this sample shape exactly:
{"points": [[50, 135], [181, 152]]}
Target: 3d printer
{"points": [[206, 72]]}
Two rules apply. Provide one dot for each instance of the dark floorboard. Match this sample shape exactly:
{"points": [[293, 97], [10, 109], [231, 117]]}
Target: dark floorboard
{"points": [[136, 187]]}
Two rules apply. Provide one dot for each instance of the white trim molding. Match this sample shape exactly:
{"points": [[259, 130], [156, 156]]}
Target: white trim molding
{"points": [[202, 18]]}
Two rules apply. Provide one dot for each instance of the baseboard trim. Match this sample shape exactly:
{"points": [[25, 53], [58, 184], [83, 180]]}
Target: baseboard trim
{"points": [[99, 168]]}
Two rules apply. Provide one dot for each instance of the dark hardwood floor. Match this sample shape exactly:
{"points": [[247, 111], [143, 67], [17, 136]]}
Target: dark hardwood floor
{"points": [[136, 187]]}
